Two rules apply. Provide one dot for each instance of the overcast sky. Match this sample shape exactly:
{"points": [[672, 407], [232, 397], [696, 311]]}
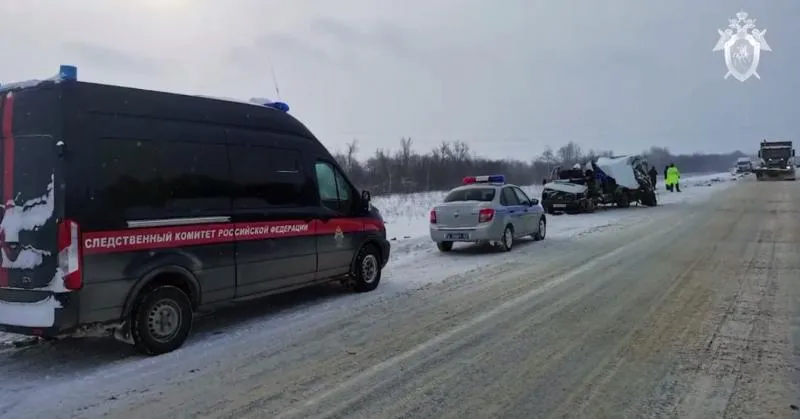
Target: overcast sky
{"points": [[506, 76]]}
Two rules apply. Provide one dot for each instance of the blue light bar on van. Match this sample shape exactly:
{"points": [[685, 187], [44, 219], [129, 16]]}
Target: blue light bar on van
{"points": [[65, 73], [281, 106], [68, 72]]}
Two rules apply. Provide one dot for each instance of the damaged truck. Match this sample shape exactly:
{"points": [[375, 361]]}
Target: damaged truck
{"points": [[603, 181]]}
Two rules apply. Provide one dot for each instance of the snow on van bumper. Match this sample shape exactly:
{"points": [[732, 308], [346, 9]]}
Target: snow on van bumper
{"points": [[37, 314]]}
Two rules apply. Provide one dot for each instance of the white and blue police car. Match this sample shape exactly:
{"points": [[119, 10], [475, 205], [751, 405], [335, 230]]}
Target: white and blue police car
{"points": [[486, 209]]}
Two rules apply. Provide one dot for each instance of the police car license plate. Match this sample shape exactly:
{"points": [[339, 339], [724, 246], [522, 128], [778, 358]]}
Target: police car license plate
{"points": [[457, 236], [559, 205]]}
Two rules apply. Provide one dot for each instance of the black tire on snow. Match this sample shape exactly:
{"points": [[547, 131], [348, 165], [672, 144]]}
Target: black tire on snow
{"points": [[367, 270], [649, 199], [170, 301], [507, 246], [542, 233], [444, 246], [623, 201]]}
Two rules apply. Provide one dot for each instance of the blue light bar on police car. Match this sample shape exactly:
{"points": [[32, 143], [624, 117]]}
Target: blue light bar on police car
{"points": [[484, 179]]}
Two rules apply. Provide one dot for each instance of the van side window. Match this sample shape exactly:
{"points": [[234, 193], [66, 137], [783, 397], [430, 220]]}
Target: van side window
{"points": [[334, 191], [144, 179], [268, 177]]}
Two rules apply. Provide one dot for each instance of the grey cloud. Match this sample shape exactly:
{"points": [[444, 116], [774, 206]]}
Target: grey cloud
{"points": [[114, 59], [510, 76]]}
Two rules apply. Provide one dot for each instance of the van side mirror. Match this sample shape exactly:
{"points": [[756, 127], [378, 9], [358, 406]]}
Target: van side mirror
{"points": [[792, 152], [534, 201], [366, 197], [759, 154]]}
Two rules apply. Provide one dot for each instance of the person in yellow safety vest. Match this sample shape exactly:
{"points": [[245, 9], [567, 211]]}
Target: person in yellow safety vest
{"points": [[673, 178]]}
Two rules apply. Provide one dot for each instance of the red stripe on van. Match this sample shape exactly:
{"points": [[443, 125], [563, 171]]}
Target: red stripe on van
{"points": [[135, 239], [8, 168]]}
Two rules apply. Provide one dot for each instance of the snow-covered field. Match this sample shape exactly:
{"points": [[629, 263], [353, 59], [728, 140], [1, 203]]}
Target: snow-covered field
{"points": [[65, 372], [406, 216]]}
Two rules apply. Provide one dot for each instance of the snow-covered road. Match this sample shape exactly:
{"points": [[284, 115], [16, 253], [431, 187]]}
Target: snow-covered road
{"points": [[89, 377]]}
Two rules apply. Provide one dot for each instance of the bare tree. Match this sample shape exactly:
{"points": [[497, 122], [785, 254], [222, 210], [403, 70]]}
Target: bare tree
{"points": [[447, 163], [352, 149]]}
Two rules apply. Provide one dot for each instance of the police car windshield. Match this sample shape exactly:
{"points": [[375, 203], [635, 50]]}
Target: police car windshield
{"points": [[471, 194]]}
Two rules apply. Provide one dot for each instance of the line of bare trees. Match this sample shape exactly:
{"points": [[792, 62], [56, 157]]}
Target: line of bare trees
{"points": [[406, 170]]}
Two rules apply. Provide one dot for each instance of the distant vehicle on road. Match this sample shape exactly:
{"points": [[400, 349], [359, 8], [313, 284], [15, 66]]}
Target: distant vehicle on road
{"points": [[485, 209], [776, 161], [744, 165]]}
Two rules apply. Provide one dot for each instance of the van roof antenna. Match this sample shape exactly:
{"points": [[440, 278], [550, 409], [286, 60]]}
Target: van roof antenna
{"points": [[274, 79]]}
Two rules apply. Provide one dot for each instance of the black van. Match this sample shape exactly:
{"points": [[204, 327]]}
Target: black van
{"points": [[128, 210]]}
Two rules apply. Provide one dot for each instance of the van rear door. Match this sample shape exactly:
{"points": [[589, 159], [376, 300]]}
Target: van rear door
{"points": [[29, 230]]}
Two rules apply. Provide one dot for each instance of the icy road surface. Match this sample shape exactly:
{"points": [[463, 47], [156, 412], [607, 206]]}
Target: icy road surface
{"points": [[684, 310]]}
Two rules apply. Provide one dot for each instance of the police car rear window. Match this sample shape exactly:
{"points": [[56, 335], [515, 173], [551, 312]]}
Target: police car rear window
{"points": [[471, 194]]}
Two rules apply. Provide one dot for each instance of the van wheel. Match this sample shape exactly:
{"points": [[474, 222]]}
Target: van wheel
{"points": [[650, 199], [162, 320], [444, 246], [623, 201], [367, 269]]}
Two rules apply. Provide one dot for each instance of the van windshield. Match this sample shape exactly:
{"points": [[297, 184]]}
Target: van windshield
{"points": [[471, 194]]}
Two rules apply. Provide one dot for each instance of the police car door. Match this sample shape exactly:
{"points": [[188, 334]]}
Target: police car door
{"points": [[530, 216], [338, 230], [515, 211]]}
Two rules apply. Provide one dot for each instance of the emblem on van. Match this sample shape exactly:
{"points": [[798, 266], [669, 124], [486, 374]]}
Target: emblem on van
{"points": [[339, 237]]}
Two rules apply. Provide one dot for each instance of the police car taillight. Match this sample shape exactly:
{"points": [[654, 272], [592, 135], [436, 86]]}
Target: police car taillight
{"points": [[485, 215], [69, 254], [433, 217]]}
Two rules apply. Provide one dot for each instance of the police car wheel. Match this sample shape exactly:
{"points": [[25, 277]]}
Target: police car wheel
{"points": [[367, 269], [444, 246], [161, 320], [507, 241], [542, 232]]}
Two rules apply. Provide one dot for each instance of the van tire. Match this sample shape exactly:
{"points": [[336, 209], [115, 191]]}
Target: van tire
{"points": [[649, 199], [167, 301], [623, 201], [444, 246], [366, 274]]}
